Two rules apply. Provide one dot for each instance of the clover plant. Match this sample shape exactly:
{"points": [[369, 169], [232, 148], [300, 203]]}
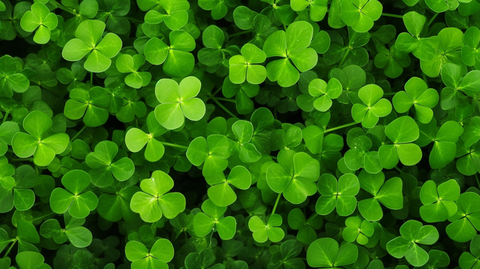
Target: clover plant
{"points": [[236, 134]]}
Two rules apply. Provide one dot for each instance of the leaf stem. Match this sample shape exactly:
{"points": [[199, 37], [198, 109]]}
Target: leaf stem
{"points": [[44, 216], [223, 107], [225, 99], [392, 15], [62, 7], [79, 132], [217, 91], [344, 57], [340, 127], [431, 20], [91, 78], [174, 145], [240, 33], [478, 181], [5, 117], [276, 204], [14, 240], [398, 169], [134, 20]]}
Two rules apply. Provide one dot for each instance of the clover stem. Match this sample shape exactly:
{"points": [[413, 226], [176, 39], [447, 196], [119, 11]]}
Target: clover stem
{"points": [[398, 169], [431, 20], [276, 203], [226, 100], [392, 15], [60, 6], [10, 248], [241, 33], [478, 181], [174, 145], [344, 57], [340, 127], [5, 117], [217, 91], [425, 78], [44, 216], [223, 107], [91, 78], [133, 20], [79, 132]]}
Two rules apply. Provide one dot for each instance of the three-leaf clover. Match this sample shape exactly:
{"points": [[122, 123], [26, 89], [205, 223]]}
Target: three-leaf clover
{"points": [[173, 13], [161, 253], [269, 231], [416, 94], [389, 193], [458, 84], [439, 202], [153, 201], [465, 222], [292, 46], [40, 19], [412, 233], [90, 104], [15, 186], [294, 175], [214, 219], [220, 192], [212, 152], [89, 41], [11, 78], [339, 195], [246, 65], [373, 107], [243, 131], [176, 59], [104, 166], [471, 52], [178, 101], [326, 253], [317, 9], [74, 232], [75, 199], [306, 227], [213, 38], [471, 259], [357, 230], [37, 141], [361, 14], [359, 154], [402, 132], [323, 93], [127, 63], [445, 144], [136, 139]]}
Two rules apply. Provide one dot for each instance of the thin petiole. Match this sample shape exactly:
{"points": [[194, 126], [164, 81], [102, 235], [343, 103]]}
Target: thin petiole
{"points": [[392, 15], [276, 204], [79, 132], [5, 117], [341, 127], [225, 99], [174, 145], [223, 107], [14, 240], [241, 33]]}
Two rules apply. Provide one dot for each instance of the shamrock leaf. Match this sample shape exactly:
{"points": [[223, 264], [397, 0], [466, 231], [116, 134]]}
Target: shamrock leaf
{"points": [[243, 93], [246, 65], [29, 260], [438, 203], [471, 259], [306, 227], [218, 8], [213, 219], [469, 162], [220, 192], [386, 192], [470, 52], [243, 131], [74, 232], [202, 259], [290, 136], [112, 13], [126, 63], [136, 139], [37, 142], [359, 156], [323, 93], [401, 132], [325, 252], [413, 233], [373, 107], [287, 255], [465, 222], [75, 199], [176, 59], [357, 230], [445, 147], [91, 105], [417, 94], [153, 201], [361, 14], [178, 101], [173, 13], [294, 175], [104, 168], [161, 253], [212, 54], [212, 152], [269, 231], [114, 203], [16, 186], [11, 79], [339, 195], [458, 83], [292, 45], [41, 20], [391, 60], [317, 9], [89, 41]]}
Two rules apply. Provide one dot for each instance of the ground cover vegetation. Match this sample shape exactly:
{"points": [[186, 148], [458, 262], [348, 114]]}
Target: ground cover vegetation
{"points": [[235, 134]]}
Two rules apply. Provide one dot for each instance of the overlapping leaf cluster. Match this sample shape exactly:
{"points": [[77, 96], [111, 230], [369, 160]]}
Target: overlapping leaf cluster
{"points": [[235, 134]]}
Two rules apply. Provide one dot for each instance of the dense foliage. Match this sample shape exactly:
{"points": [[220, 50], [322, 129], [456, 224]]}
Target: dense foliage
{"points": [[239, 134]]}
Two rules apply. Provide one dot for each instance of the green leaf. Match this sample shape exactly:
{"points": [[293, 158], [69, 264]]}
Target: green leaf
{"points": [[325, 252]]}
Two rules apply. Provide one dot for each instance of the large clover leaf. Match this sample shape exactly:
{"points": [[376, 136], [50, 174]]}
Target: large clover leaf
{"points": [[246, 65], [406, 245], [292, 46], [89, 41], [373, 107], [439, 203], [37, 142], [339, 195], [41, 20], [389, 193], [176, 59], [402, 132], [220, 192], [326, 253], [153, 201], [91, 105], [161, 253], [178, 101], [214, 219], [294, 175], [361, 14], [74, 199]]}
